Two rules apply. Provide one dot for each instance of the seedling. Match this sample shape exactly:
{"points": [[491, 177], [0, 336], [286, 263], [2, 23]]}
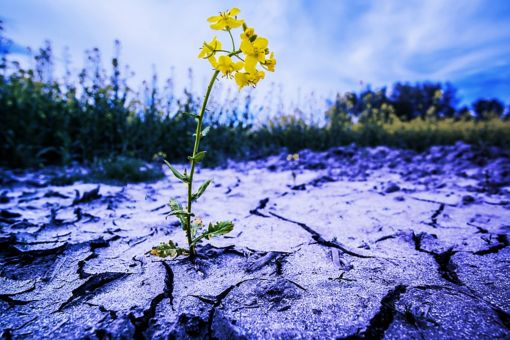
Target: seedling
{"points": [[252, 52]]}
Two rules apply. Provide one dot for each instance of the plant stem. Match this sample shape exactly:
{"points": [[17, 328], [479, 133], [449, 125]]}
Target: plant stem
{"points": [[198, 135], [232, 39]]}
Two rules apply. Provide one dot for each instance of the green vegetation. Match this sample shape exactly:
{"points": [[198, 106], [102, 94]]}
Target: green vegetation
{"points": [[98, 117], [125, 170]]}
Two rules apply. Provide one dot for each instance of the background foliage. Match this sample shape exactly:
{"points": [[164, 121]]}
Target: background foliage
{"points": [[98, 117]]}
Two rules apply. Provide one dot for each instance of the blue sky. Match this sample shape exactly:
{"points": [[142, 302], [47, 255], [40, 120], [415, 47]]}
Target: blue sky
{"points": [[326, 46]]}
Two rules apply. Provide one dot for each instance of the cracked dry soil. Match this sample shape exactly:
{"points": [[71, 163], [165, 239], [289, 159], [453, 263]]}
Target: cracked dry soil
{"points": [[350, 243]]}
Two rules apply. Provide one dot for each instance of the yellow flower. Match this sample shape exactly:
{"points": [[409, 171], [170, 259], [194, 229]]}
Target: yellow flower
{"points": [[248, 78], [209, 48], [293, 157], [270, 63], [227, 67], [198, 222], [226, 20], [248, 33], [255, 52]]}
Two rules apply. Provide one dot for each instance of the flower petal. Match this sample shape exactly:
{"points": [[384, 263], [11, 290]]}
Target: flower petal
{"points": [[214, 18], [234, 11], [261, 43], [218, 26], [250, 63]]}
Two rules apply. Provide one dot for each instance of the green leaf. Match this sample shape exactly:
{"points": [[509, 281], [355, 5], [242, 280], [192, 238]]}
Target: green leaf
{"points": [[176, 206], [219, 228], [190, 114], [180, 213], [198, 157], [176, 173], [169, 249], [201, 190], [205, 131]]}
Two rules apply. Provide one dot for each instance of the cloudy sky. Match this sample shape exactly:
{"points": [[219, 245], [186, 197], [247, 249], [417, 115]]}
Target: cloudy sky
{"points": [[326, 46]]}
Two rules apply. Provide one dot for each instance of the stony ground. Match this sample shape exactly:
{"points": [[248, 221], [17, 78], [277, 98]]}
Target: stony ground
{"points": [[350, 243]]}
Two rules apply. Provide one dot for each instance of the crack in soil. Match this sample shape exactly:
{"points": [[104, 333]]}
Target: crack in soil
{"points": [[502, 243], [89, 287], [444, 265], [142, 322], [436, 214], [218, 299], [216, 302], [236, 184], [384, 238], [34, 253], [503, 316], [14, 302], [382, 320], [262, 205], [95, 244], [319, 239]]}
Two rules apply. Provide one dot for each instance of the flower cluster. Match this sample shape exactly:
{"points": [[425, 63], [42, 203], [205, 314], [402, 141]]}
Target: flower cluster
{"points": [[239, 64]]}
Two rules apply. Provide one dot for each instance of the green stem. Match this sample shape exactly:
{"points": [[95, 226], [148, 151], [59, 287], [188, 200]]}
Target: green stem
{"points": [[198, 135], [232, 39]]}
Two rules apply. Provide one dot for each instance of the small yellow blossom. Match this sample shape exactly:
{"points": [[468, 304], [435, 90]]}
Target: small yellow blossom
{"points": [[293, 157], [248, 78], [226, 20], [270, 63], [208, 49], [198, 222], [227, 67], [255, 52], [248, 33]]}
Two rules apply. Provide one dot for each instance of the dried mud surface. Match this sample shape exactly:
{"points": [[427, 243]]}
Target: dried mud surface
{"points": [[350, 243]]}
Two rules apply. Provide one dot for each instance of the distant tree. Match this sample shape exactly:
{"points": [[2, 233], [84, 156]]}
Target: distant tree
{"points": [[338, 114], [348, 104], [487, 108], [448, 101], [375, 106], [412, 101], [403, 98]]}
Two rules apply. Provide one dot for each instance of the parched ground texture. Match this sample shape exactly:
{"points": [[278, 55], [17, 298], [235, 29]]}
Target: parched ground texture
{"points": [[350, 243]]}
